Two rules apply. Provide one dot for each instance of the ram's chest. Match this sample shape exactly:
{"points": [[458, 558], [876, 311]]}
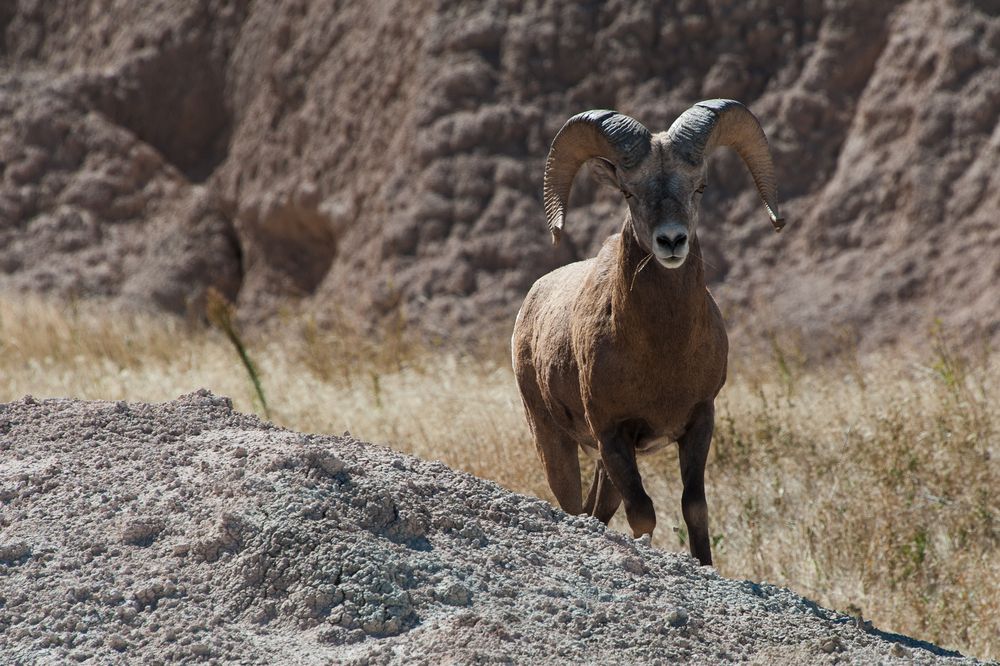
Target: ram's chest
{"points": [[649, 385]]}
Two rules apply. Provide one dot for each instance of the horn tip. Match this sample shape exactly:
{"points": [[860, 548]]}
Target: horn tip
{"points": [[778, 221], [556, 227]]}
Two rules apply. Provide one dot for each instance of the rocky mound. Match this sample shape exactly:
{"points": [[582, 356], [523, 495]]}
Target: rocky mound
{"points": [[185, 531], [383, 160]]}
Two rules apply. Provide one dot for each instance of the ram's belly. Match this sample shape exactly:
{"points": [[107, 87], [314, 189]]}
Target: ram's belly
{"points": [[645, 446], [590, 448], [653, 444]]}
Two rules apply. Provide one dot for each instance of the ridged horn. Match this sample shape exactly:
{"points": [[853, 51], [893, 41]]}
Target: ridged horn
{"points": [[726, 122], [613, 136]]}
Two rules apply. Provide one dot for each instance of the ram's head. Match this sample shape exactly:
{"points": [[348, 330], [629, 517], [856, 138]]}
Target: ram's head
{"points": [[660, 175]]}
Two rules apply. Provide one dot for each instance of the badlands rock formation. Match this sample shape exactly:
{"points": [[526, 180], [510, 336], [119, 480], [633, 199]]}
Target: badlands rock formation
{"points": [[383, 160]]}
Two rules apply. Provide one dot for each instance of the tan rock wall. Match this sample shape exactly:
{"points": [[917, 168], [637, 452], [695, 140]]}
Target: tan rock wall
{"points": [[376, 159]]}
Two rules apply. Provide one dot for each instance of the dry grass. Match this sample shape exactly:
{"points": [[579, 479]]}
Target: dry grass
{"points": [[868, 486]]}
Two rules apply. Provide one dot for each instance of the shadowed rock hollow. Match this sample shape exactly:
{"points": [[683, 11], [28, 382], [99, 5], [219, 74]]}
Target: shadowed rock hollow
{"points": [[180, 531], [372, 160]]}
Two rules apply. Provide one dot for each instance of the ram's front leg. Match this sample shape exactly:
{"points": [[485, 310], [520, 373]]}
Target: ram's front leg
{"points": [[693, 453], [617, 449]]}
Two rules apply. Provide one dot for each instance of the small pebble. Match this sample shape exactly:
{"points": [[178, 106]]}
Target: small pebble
{"points": [[831, 645], [678, 617]]}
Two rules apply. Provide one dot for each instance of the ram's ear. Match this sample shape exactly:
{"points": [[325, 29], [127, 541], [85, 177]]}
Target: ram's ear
{"points": [[604, 172]]}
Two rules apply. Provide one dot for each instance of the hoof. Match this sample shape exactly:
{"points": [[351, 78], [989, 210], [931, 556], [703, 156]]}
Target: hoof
{"points": [[641, 518], [642, 528]]}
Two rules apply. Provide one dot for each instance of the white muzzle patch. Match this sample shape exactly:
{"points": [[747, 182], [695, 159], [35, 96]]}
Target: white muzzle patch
{"points": [[670, 244]]}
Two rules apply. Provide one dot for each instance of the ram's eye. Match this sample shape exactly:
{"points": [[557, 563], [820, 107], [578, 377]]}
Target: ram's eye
{"points": [[701, 188], [626, 193]]}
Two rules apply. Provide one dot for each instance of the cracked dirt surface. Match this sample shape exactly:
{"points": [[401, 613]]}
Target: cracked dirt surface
{"points": [[184, 531]]}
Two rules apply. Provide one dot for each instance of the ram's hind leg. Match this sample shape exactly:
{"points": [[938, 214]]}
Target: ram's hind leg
{"points": [[561, 464], [603, 499], [693, 452]]}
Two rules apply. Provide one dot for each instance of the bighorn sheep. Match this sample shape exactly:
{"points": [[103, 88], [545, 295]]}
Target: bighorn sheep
{"points": [[619, 358]]}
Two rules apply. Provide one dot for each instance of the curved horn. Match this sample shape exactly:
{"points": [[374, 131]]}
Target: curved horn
{"points": [[726, 122], [613, 136]]}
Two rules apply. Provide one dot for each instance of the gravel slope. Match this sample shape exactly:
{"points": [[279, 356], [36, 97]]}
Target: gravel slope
{"points": [[187, 532]]}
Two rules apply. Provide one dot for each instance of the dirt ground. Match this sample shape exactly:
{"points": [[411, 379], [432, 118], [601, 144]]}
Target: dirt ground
{"points": [[184, 531]]}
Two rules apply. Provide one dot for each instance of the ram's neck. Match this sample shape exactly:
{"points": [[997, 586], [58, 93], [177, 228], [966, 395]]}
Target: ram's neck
{"points": [[655, 302]]}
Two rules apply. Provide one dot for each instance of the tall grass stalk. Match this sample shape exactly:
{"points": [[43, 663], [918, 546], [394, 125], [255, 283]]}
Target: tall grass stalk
{"points": [[222, 314]]}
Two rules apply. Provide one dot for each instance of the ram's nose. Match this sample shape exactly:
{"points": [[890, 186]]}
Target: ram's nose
{"points": [[672, 240], [670, 244]]}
